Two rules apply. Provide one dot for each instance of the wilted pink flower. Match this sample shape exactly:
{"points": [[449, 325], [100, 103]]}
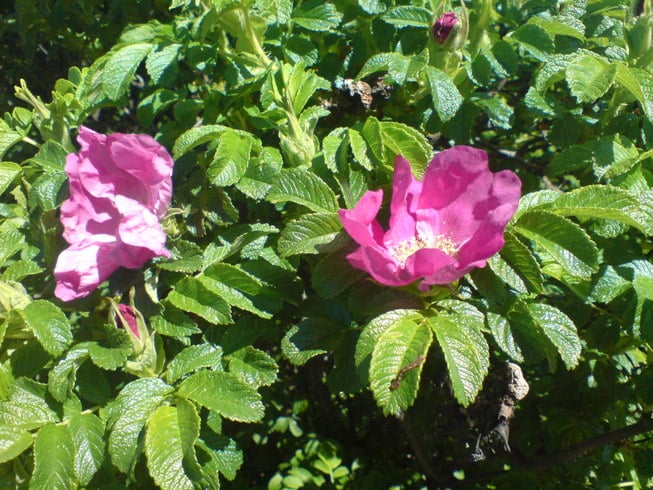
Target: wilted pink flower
{"points": [[120, 187], [129, 317], [443, 26], [441, 227]]}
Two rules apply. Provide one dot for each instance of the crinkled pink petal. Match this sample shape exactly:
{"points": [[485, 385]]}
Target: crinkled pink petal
{"points": [[360, 222], [428, 262], [405, 193], [141, 156], [79, 270], [141, 237], [380, 265]]}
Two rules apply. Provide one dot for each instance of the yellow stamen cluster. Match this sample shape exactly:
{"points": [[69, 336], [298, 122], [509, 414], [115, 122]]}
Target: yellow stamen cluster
{"points": [[405, 249]]}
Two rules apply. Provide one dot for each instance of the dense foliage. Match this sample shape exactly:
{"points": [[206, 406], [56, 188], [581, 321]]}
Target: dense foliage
{"points": [[256, 356]]}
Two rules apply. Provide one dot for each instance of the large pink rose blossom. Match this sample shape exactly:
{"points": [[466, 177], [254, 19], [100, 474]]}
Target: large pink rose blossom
{"points": [[120, 187], [441, 227]]}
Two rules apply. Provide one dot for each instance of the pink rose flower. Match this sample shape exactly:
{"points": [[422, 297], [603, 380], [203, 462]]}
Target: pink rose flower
{"points": [[443, 26], [441, 227], [120, 187]]}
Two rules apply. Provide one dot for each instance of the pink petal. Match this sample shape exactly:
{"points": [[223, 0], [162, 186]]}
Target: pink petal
{"points": [[428, 262], [129, 316], [360, 221], [79, 270], [405, 193], [380, 265]]}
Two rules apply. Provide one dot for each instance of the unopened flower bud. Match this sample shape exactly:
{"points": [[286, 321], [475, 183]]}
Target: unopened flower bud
{"points": [[443, 26], [127, 319], [145, 359]]}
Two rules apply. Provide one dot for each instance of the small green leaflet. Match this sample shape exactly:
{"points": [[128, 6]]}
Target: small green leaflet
{"points": [[54, 458], [225, 394], [164, 450], [304, 188], [133, 407], [49, 324], [120, 68], [396, 365], [465, 349], [88, 436]]}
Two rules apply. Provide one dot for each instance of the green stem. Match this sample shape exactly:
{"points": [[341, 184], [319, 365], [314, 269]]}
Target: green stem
{"points": [[248, 30]]}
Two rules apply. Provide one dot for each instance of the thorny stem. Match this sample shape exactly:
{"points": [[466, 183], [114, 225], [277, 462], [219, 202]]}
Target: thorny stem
{"points": [[253, 40]]}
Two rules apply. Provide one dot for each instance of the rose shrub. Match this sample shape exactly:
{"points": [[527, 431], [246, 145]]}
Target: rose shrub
{"points": [[295, 306]]}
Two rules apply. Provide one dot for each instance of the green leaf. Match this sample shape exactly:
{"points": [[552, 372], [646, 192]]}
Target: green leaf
{"points": [[192, 296], [603, 202], [589, 76], [504, 336], [133, 407], [230, 160], [120, 68], [88, 435], [497, 110], [405, 140], [445, 95], [465, 351], [260, 174], [49, 324], [615, 155], [19, 270], [197, 136], [192, 358], [359, 149], [54, 458], [570, 159], [372, 6], [396, 64], [225, 394], [113, 351], [373, 136], [408, 16], [46, 190], [309, 338], [161, 63], [522, 260], [301, 85], [235, 286], [373, 330], [8, 172], [396, 366], [8, 138], [253, 366], [61, 378], [562, 239], [333, 274], [309, 234], [638, 82], [26, 406], [316, 15], [163, 448], [13, 441], [534, 39], [304, 188], [560, 330], [280, 10], [225, 457], [10, 242], [174, 323]]}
